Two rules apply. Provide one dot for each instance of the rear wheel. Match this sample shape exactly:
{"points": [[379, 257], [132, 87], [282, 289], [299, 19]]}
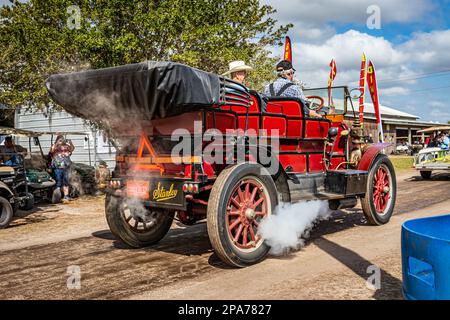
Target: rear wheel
{"points": [[6, 213], [240, 198], [134, 224], [379, 201], [28, 203], [425, 175]]}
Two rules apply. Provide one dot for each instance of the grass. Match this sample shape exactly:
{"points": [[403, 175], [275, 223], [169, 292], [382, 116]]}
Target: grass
{"points": [[402, 162]]}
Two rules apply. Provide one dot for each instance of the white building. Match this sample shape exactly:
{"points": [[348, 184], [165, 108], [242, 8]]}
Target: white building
{"points": [[90, 146]]}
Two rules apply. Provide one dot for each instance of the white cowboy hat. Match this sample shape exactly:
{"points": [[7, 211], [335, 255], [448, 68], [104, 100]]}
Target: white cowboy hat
{"points": [[236, 66]]}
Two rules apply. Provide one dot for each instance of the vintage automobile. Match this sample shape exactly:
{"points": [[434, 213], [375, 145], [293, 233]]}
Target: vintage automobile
{"points": [[432, 158], [247, 154]]}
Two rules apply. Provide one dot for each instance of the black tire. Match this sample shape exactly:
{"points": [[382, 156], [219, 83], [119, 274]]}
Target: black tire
{"points": [[117, 214], [6, 213], [228, 181], [426, 175], [29, 203], [374, 216]]}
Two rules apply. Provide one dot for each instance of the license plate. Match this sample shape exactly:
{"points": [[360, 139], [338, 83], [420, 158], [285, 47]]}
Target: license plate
{"points": [[160, 193], [167, 193], [138, 189]]}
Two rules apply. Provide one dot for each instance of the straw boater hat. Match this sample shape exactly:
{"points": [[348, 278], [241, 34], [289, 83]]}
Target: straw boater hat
{"points": [[236, 66]]}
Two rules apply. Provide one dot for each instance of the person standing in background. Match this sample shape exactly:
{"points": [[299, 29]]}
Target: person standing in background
{"points": [[102, 177], [61, 151]]}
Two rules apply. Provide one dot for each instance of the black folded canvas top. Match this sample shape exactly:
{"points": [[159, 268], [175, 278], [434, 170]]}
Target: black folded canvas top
{"points": [[144, 91]]}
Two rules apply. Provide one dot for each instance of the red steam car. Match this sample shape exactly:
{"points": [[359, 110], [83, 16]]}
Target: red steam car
{"points": [[196, 145]]}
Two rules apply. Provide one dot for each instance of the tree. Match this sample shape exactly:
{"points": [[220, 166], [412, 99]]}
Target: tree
{"points": [[36, 39]]}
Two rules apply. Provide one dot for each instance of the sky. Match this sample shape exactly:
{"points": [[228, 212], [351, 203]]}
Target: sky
{"points": [[410, 49]]}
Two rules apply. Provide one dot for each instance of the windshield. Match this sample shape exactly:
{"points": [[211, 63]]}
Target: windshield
{"points": [[338, 94]]}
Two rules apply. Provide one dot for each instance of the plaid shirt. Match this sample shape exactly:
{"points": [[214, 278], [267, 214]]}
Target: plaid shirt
{"points": [[293, 91]]}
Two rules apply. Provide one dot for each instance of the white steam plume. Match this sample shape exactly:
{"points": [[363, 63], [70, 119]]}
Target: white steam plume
{"points": [[283, 230]]}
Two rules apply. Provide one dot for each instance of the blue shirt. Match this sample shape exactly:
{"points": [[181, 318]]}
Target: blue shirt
{"points": [[293, 91], [445, 143]]}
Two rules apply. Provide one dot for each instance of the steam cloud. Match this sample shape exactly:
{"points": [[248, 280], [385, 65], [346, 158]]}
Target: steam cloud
{"points": [[283, 230]]}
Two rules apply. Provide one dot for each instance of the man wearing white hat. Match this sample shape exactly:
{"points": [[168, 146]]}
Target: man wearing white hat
{"points": [[238, 71]]}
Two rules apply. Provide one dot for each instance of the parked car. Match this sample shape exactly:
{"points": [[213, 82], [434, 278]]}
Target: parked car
{"points": [[432, 158], [317, 158]]}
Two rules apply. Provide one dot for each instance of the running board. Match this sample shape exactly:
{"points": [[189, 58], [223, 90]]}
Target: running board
{"points": [[333, 185]]}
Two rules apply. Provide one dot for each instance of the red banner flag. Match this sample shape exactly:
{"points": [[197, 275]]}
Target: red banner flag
{"points": [[288, 50], [372, 85], [333, 72], [362, 88]]}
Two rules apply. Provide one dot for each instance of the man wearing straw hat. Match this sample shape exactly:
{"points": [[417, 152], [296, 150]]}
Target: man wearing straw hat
{"points": [[238, 71]]}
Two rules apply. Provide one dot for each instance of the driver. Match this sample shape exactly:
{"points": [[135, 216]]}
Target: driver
{"points": [[285, 87], [9, 151]]}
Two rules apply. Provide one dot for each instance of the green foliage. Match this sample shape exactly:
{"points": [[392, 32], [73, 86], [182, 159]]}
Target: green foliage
{"points": [[35, 40]]}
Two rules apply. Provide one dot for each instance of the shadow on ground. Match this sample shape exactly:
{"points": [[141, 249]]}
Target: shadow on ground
{"points": [[390, 286]]}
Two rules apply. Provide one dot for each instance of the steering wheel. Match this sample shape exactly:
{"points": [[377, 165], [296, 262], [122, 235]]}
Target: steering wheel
{"points": [[314, 105]]}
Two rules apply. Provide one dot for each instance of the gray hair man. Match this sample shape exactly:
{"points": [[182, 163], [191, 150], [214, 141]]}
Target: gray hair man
{"points": [[284, 86]]}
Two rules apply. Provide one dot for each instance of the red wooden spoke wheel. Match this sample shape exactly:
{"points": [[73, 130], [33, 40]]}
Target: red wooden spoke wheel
{"points": [[241, 197], [246, 207], [382, 189]]}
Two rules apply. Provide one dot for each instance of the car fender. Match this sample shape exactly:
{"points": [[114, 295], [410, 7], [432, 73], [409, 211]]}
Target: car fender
{"points": [[4, 187], [370, 154]]}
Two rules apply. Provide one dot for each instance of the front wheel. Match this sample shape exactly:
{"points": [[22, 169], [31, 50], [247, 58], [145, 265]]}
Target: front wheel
{"points": [[425, 175], [381, 191], [6, 213], [241, 197], [134, 224], [28, 204]]}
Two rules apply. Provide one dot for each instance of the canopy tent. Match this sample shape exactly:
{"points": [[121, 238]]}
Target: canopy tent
{"points": [[433, 129]]}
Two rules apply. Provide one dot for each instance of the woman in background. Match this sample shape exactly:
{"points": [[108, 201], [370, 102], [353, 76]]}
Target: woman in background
{"points": [[61, 151]]}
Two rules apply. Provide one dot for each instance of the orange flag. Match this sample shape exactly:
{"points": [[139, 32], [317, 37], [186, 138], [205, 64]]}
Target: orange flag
{"points": [[372, 85], [362, 88], [333, 72], [288, 50]]}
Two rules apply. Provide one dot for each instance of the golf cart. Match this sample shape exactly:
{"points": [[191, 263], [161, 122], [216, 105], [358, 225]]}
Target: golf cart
{"points": [[39, 174], [14, 190], [432, 157], [39, 181]]}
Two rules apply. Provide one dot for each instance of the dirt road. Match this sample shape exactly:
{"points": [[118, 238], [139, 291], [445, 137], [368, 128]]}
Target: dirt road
{"points": [[36, 251]]}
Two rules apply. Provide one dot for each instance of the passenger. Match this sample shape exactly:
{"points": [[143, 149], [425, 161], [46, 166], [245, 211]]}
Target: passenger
{"points": [[238, 71], [102, 177], [10, 153], [444, 142], [285, 87], [61, 151]]}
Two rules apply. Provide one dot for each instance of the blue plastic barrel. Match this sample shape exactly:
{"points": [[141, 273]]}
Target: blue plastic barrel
{"points": [[426, 258]]}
